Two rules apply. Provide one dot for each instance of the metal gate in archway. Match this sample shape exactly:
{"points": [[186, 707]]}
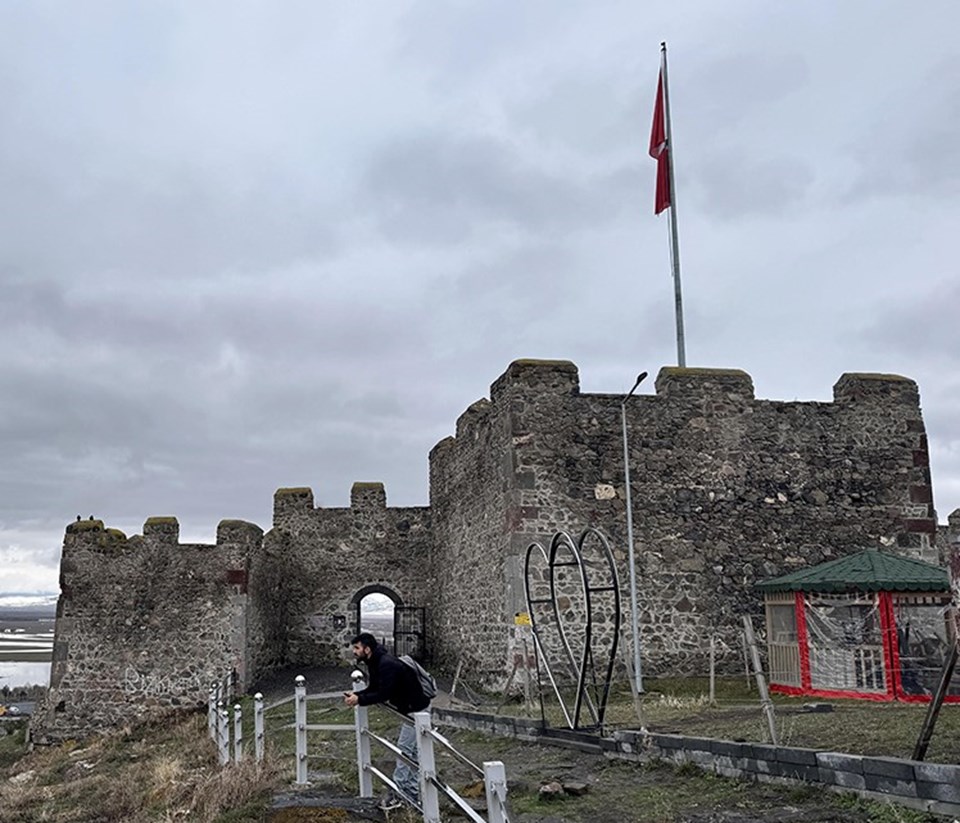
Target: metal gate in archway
{"points": [[409, 631]]}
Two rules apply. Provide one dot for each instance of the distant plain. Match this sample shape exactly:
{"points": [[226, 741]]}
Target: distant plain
{"points": [[26, 646]]}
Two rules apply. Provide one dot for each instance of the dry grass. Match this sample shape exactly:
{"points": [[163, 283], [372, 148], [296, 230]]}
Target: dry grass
{"points": [[682, 706], [165, 771]]}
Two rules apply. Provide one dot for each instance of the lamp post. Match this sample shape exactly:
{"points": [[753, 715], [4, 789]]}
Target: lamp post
{"points": [[635, 623]]}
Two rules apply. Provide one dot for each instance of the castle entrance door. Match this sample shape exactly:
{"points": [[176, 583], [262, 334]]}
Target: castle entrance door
{"points": [[408, 631]]}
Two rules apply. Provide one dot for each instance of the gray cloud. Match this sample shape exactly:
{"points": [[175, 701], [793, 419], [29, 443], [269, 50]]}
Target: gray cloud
{"points": [[247, 246], [446, 190], [912, 148]]}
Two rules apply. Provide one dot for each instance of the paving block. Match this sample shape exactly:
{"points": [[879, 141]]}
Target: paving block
{"points": [[668, 741], [937, 772], [840, 762], [805, 757], [945, 792], [890, 785], [731, 749], [846, 780], [893, 767]]}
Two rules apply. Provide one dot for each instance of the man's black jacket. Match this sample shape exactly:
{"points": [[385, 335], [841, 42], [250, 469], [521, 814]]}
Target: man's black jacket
{"points": [[393, 682]]}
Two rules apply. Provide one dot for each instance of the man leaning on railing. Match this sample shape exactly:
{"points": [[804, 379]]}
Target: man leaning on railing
{"points": [[398, 685]]}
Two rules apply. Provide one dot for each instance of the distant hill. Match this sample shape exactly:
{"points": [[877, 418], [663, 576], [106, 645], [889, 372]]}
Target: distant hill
{"points": [[28, 606]]}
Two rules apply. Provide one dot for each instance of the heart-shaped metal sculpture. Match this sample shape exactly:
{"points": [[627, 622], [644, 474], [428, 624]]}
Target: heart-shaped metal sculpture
{"points": [[573, 598]]}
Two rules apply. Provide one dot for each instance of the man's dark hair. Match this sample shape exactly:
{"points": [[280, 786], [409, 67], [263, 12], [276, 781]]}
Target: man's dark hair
{"points": [[365, 639]]}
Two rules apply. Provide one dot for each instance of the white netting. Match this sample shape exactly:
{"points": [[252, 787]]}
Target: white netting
{"points": [[923, 641], [845, 642]]}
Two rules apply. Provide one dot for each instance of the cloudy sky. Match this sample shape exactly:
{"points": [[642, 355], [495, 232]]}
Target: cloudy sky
{"points": [[249, 245]]}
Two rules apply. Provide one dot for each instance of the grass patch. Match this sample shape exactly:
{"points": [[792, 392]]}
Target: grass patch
{"points": [[163, 771]]}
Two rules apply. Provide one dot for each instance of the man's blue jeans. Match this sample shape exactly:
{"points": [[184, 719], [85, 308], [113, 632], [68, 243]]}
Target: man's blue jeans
{"points": [[404, 776]]}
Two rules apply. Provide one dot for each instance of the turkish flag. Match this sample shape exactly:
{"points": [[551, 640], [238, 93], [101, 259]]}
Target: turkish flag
{"points": [[658, 151]]}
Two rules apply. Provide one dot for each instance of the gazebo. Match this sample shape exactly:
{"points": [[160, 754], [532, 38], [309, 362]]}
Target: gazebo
{"points": [[872, 625]]}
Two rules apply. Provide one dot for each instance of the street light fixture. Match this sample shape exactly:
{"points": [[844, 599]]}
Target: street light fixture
{"points": [[635, 623]]}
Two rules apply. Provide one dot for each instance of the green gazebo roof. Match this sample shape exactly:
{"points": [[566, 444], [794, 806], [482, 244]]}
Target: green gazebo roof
{"points": [[866, 571]]}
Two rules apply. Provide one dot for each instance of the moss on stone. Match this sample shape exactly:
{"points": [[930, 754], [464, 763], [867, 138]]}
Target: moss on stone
{"points": [[112, 539], [878, 376], [684, 371], [85, 526], [161, 521], [293, 490], [376, 484], [543, 364]]}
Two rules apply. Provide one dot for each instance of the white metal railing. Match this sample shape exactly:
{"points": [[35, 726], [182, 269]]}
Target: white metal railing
{"points": [[430, 784]]}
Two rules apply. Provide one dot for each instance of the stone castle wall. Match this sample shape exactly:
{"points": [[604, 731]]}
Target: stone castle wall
{"points": [[727, 490], [144, 624], [323, 561]]}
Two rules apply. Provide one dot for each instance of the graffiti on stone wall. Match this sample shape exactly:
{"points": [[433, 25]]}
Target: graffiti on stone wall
{"points": [[158, 683]]}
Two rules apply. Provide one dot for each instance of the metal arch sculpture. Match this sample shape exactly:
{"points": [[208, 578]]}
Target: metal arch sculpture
{"points": [[591, 560]]}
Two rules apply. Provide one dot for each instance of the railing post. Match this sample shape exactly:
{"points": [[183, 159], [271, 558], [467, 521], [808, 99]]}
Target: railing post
{"points": [[495, 782], [361, 720], [223, 736], [300, 722], [429, 795], [258, 726], [212, 713], [237, 733]]}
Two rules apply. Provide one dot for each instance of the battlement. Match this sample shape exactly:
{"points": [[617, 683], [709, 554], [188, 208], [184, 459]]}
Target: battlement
{"points": [[474, 417], [853, 387], [292, 502], [537, 376], [157, 531], [368, 496], [676, 382], [162, 529]]}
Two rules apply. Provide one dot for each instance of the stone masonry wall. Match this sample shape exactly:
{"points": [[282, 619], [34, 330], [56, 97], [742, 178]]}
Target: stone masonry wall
{"points": [[143, 624], [469, 486], [727, 489], [319, 562]]}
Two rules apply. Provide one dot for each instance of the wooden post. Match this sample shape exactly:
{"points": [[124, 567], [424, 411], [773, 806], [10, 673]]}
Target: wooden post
{"points": [[765, 703], [746, 659], [713, 670], [456, 677]]}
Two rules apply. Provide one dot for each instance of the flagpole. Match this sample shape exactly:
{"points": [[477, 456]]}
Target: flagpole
{"points": [[674, 236]]}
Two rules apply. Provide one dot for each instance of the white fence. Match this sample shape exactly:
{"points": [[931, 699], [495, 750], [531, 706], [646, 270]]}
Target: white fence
{"points": [[231, 747]]}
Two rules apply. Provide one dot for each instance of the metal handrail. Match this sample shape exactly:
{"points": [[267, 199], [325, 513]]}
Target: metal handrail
{"points": [[424, 763]]}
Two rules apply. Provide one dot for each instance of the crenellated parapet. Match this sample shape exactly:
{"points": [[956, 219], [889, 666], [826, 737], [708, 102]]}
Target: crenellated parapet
{"points": [[367, 545], [727, 489], [144, 623]]}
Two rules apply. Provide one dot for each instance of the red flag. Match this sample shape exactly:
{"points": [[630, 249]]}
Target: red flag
{"points": [[658, 151]]}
